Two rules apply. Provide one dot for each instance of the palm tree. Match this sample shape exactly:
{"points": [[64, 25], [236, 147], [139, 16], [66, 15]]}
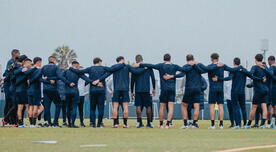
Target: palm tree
{"points": [[64, 56]]}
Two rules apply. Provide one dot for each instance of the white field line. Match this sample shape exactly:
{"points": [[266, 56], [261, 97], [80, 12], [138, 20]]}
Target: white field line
{"points": [[46, 142], [93, 145], [248, 148]]}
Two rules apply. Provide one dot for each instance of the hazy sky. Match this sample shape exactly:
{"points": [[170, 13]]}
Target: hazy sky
{"points": [[109, 28]]}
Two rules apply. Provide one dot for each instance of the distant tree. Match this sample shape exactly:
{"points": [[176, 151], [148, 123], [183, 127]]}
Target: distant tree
{"points": [[65, 56]]}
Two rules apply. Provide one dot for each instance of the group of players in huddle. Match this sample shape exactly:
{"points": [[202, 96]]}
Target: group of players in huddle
{"points": [[26, 80]]}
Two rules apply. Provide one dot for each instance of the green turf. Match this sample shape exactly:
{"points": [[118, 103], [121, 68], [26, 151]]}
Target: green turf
{"points": [[133, 140]]}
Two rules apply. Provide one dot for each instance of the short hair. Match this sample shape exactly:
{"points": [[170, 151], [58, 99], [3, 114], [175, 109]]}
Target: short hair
{"points": [[215, 56], [139, 58], [36, 59], [259, 57], [27, 59], [271, 58], [97, 60], [51, 57], [237, 61], [167, 57], [119, 58], [189, 57], [75, 62], [22, 58], [14, 51]]}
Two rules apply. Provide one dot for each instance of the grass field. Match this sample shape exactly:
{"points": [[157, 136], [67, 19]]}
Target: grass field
{"points": [[134, 140]]}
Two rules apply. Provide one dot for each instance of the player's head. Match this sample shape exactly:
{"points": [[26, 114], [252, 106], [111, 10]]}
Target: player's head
{"points": [[97, 61], [21, 59], [15, 53], [189, 57], [237, 61], [37, 61], [75, 64], [214, 57], [52, 59], [138, 58], [27, 63], [271, 60], [120, 59], [259, 58], [167, 57]]}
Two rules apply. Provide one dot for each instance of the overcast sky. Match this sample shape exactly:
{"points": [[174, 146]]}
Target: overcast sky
{"points": [[109, 28]]}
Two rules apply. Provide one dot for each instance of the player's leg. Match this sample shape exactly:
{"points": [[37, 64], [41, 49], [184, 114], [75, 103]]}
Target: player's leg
{"points": [[170, 114], [148, 105], [101, 101], [138, 104], [57, 102], [125, 114], [196, 115], [243, 108], [75, 101], [30, 114], [115, 114], [47, 102], [184, 107], [80, 106], [230, 108], [161, 114], [264, 114], [251, 116], [212, 116]]}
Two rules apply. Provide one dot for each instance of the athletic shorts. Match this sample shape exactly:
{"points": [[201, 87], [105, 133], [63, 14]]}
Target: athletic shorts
{"points": [[143, 99], [260, 97], [167, 96], [216, 97], [35, 99], [21, 97], [120, 96], [192, 96]]}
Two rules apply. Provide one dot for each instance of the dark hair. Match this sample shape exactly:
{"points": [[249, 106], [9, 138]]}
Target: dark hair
{"points": [[189, 57], [138, 58], [51, 57], [215, 56], [167, 57], [271, 58], [22, 58], [259, 57], [119, 58], [75, 62], [36, 59], [97, 60], [14, 51], [237, 61], [27, 59]]}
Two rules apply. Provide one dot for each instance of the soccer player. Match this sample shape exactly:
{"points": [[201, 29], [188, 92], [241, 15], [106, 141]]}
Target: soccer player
{"points": [[167, 96], [272, 87], [238, 93], [34, 90], [97, 74], [10, 105], [216, 87], [141, 83], [52, 73], [72, 92], [260, 91], [21, 86]]}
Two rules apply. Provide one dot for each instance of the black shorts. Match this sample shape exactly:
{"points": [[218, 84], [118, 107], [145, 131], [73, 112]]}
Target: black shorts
{"points": [[192, 96], [216, 97], [143, 99], [260, 97], [120, 96], [167, 96], [21, 97], [35, 99]]}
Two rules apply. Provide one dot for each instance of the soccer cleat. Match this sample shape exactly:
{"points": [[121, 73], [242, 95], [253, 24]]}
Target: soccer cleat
{"points": [[184, 127], [236, 127], [149, 125], [195, 126], [22, 126], [64, 124], [212, 127], [255, 126], [126, 126], [115, 126], [246, 127], [100, 126], [161, 127], [92, 126], [262, 127], [32, 126], [221, 127]]}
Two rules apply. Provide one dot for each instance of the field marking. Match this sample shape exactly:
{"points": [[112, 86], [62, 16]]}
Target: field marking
{"points": [[46, 142], [248, 148], [93, 145]]}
